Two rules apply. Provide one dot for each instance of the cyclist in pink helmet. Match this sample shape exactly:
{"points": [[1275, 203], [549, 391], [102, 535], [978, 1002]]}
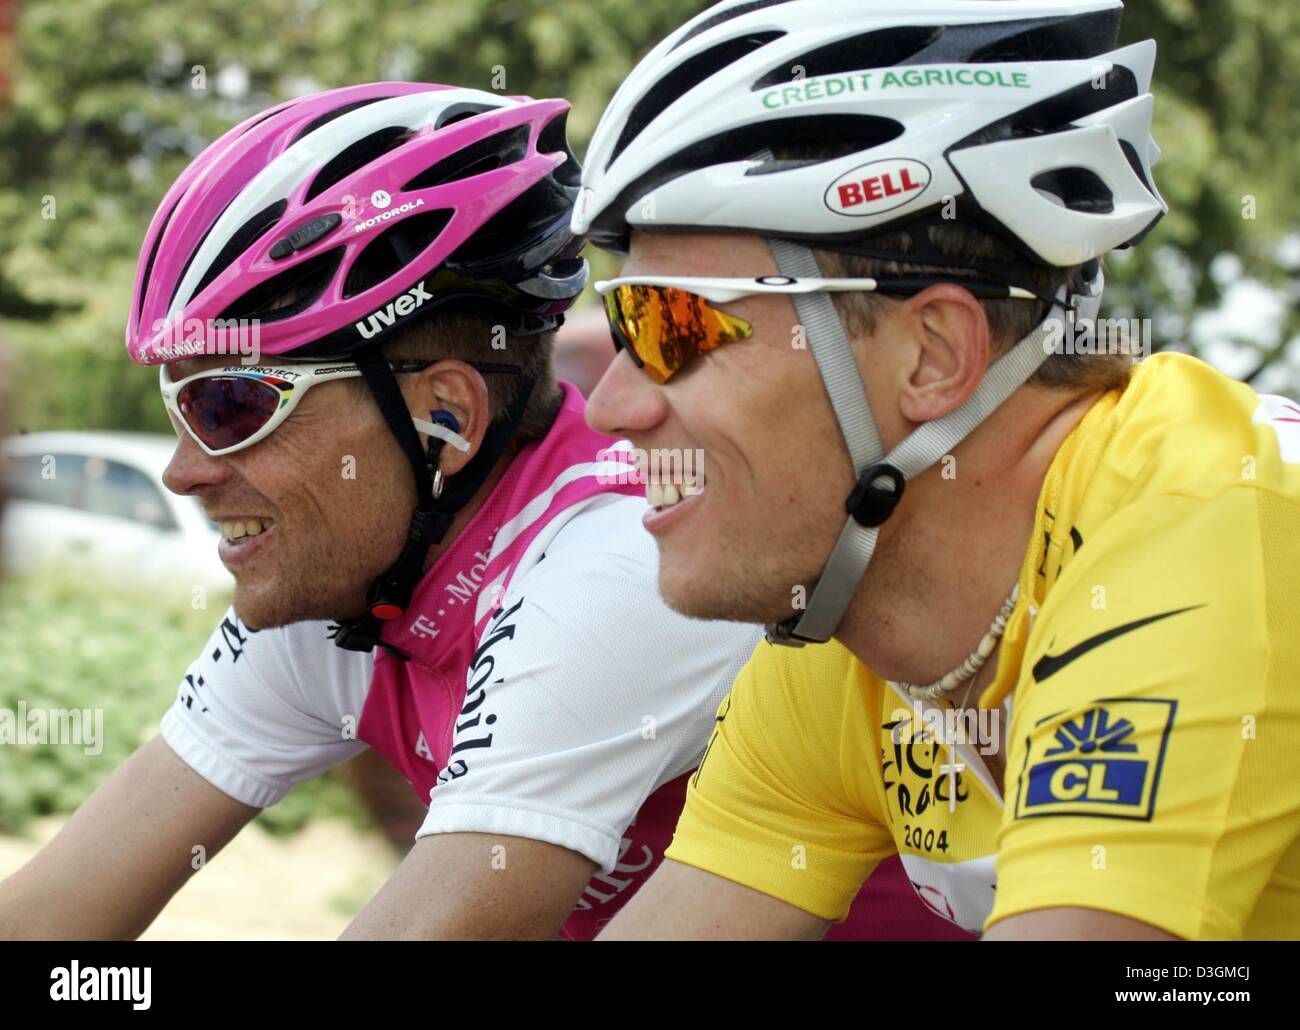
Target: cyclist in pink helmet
{"points": [[331, 222], [505, 646]]}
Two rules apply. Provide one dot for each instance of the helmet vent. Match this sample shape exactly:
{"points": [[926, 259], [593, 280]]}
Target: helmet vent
{"points": [[1135, 162], [270, 113], [682, 79], [1055, 114], [812, 139], [1074, 38], [880, 49], [290, 292], [244, 237], [153, 254], [481, 156], [516, 227], [726, 16], [394, 249], [329, 116], [459, 112], [357, 155], [553, 140], [1077, 189]]}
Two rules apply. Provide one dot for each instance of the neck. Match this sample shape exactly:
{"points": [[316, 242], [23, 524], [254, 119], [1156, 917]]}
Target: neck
{"points": [[951, 554]]}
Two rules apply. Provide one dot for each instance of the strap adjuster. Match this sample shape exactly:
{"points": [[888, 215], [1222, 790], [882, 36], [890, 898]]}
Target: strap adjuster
{"points": [[783, 633], [872, 505]]}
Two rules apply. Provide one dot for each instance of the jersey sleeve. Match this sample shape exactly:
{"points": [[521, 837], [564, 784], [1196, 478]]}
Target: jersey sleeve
{"points": [[585, 695], [1152, 755], [259, 711], [771, 806]]}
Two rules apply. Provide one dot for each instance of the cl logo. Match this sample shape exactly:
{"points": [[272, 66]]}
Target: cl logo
{"points": [[1074, 780], [380, 198]]}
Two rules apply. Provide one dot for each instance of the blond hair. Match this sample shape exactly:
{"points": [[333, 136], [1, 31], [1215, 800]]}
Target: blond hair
{"points": [[1010, 321]]}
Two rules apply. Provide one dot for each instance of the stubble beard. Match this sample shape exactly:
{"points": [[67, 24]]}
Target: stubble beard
{"points": [[318, 583], [739, 584]]}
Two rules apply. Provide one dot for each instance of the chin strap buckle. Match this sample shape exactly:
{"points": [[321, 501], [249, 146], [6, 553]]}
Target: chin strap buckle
{"points": [[782, 633], [871, 505]]}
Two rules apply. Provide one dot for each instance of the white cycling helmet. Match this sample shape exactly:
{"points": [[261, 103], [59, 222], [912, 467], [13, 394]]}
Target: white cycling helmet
{"points": [[1020, 118], [1019, 111]]}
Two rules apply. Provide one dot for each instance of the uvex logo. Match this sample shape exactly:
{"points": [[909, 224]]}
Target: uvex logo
{"points": [[393, 310], [877, 187]]}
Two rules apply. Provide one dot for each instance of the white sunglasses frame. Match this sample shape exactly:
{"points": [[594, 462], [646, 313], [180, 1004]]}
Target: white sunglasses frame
{"points": [[303, 376], [721, 290]]}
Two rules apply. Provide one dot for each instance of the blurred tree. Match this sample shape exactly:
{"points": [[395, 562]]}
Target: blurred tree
{"points": [[111, 98]]}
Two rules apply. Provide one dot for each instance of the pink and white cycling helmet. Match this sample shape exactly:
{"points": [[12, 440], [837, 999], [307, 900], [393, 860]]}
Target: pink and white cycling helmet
{"points": [[331, 221], [336, 218]]}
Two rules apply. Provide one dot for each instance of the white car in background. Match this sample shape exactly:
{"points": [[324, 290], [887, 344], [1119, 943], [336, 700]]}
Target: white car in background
{"points": [[93, 503]]}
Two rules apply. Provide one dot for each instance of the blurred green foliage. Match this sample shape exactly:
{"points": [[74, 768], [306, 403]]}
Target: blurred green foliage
{"points": [[113, 97], [70, 647]]}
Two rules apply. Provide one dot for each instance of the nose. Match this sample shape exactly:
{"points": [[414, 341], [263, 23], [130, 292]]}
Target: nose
{"points": [[625, 401], [192, 470]]}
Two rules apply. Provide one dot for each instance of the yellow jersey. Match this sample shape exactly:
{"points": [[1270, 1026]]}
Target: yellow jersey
{"points": [[1150, 679]]}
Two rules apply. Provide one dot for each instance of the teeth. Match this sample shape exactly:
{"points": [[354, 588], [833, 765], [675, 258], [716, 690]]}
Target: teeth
{"points": [[665, 495], [250, 527]]}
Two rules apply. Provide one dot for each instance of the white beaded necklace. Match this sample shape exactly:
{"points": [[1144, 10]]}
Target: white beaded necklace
{"points": [[972, 665]]}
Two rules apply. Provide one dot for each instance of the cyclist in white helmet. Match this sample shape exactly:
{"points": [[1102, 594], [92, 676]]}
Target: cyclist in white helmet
{"points": [[1032, 606]]}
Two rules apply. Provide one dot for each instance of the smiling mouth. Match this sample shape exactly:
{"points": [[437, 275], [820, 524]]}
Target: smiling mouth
{"points": [[243, 528], [664, 495]]}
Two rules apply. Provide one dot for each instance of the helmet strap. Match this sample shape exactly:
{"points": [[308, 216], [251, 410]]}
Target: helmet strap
{"points": [[881, 478]]}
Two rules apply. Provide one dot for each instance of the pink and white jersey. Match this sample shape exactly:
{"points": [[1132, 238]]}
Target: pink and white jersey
{"points": [[549, 692]]}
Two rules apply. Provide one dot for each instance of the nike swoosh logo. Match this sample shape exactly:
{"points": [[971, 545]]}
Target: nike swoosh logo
{"points": [[1050, 665]]}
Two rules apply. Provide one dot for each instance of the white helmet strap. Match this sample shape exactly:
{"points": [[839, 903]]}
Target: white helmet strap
{"points": [[881, 478]]}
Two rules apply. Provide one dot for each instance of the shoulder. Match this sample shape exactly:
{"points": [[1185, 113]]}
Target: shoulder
{"points": [[258, 711], [585, 620], [295, 667], [1181, 426], [804, 711], [813, 674], [1181, 496], [608, 525], [1169, 575], [598, 561]]}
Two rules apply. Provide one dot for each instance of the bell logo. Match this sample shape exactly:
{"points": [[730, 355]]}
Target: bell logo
{"points": [[880, 186]]}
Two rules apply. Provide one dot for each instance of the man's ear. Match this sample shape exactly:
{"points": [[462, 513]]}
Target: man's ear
{"points": [[949, 350], [457, 387]]}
